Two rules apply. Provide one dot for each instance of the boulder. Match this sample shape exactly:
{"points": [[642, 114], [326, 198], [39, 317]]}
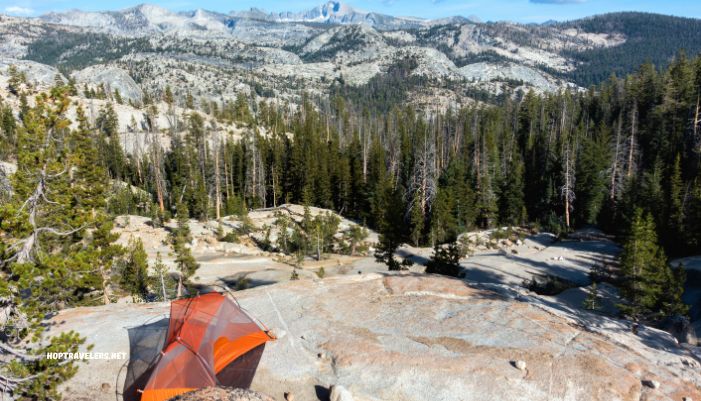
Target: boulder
{"points": [[222, 394], [653, 384], [520, 365], [339, 393], [682, 329]]}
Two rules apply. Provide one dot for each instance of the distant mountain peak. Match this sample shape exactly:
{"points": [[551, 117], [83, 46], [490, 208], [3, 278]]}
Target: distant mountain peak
{"points": [[336, 12], [150, 9], [336, 9]]}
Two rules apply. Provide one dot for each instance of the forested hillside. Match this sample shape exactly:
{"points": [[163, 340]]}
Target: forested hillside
{"points": [[650, 38], [562, 161]]}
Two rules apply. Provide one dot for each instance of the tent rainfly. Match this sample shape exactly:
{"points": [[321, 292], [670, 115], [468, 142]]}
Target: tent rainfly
{"points": [[210, 341]]}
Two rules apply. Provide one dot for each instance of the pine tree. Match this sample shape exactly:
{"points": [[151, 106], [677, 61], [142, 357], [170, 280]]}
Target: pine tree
{"points": [[168, 97], [112, 153], [445, 260], [390, 225], [283, 224], [356, 236], [180, 238], [592, 180], [671, 303], [486, 201], [591, 302], [8, 132], [512, 207], [243, 111], [135, 270], [444, 227], [118, 97], [162, 281], [651, 289], [416, 221], [59, 242], [693, 218], [675, 222], [323, 230], [16, 80]]}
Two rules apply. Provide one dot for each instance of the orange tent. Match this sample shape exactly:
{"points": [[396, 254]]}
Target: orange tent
{"points": [[210, 341]]}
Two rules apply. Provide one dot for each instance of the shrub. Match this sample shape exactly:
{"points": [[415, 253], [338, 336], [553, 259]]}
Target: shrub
{"points": [[445, 260]]}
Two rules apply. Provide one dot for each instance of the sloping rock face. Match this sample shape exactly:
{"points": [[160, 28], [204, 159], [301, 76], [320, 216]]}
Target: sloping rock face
{"points": [[414, 337], [113, 78], [37, 73]]}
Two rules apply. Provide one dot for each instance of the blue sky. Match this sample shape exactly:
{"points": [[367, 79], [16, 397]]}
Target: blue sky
{"points": [[486, 10]]}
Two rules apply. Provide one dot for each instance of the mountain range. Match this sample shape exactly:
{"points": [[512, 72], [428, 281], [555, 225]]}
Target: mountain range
{"points": [[150, 18], [445, 63]]}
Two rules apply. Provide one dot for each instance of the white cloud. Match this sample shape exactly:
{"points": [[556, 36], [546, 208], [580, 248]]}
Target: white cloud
{"points": [[17, 10]]}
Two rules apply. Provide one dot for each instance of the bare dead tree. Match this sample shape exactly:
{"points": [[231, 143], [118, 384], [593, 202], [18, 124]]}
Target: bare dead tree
{"points": [[365, 143], [424, 182], [616, 160], [696, 124], [217, 178], [567, 189], [632, 145], [255, 175], [476, 140], [156, 154], [138, 148]]}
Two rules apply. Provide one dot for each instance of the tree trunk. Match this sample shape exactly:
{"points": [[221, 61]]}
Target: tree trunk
{"points": [[273, 175], [318, 245], [696, 122], [614, 170], [163, 286], [365, 155], [106, 291], [217, 183], [631, 146], [696, 115], [227, 188], [567, 186]]}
